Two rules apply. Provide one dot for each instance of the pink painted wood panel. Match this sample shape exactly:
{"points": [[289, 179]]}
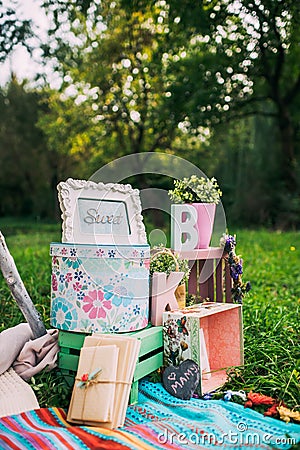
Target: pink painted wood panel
{"points": [[203, 253]]}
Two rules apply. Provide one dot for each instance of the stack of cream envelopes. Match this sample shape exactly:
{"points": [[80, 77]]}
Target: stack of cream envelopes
{"points": [[102, 387]]}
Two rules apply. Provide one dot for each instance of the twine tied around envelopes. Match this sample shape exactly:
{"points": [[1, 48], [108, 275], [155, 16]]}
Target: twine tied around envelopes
{"points": [[86, 380], [89, 379]]}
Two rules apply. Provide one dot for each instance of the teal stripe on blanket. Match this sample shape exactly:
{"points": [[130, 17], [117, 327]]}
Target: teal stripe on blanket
{"points": [[157, 421], [204, 423]]}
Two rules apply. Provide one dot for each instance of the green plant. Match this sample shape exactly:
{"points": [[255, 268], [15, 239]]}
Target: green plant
{"points": [[51, 389], [164, 260], [196, 190]]}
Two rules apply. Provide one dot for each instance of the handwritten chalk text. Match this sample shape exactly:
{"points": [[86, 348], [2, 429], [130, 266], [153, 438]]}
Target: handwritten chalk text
{"points": [[179, 384]]}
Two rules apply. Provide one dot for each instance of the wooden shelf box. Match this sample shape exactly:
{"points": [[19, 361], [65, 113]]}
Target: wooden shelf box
{"points": [[210, 274], [150, 356], [211, 334]]}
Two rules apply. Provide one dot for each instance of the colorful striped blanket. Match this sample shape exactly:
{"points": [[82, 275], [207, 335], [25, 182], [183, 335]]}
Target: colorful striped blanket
{"points": [[157, 421]]}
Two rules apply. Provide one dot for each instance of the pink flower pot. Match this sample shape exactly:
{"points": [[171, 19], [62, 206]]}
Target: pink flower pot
{"points": [[205, 222]]}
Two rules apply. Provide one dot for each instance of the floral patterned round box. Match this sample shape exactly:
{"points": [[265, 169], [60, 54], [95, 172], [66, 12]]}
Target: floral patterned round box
{"points": [[99, 288]]}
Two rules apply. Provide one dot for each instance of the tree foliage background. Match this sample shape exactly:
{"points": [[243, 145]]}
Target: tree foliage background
{"points": [[216, 82]]}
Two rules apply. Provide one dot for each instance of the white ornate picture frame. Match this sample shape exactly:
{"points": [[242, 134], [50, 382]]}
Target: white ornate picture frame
{"points": [[98, 213]]}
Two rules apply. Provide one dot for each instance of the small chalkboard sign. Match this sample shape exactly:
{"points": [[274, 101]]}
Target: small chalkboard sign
{"points": [[182, 381]]}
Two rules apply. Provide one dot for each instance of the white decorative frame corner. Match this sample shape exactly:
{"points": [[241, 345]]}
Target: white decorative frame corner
{"points": [[71, 191]]}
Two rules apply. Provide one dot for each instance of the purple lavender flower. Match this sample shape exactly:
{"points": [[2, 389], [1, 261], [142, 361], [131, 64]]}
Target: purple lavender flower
{"points": [[230, 243], [236, 270]]}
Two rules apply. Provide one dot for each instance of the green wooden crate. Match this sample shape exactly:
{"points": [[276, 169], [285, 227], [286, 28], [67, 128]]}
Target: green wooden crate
{"points": [[150, 356]]}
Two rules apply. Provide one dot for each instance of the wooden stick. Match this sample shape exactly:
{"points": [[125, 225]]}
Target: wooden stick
{"points": [[19, 292]]}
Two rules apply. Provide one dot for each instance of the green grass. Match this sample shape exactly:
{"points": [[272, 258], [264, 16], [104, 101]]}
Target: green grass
{"points": [[29, 245], [271, 315], [270, 310]]}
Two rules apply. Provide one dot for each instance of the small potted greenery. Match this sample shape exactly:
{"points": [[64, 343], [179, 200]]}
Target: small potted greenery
{"points": [[196, 190], [164, 260], [203, 194]]}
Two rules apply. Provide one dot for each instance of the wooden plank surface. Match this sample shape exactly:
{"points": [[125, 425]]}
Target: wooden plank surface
{"points": [[193, 285], [228, 284], [219, 282], [202, 253]]}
